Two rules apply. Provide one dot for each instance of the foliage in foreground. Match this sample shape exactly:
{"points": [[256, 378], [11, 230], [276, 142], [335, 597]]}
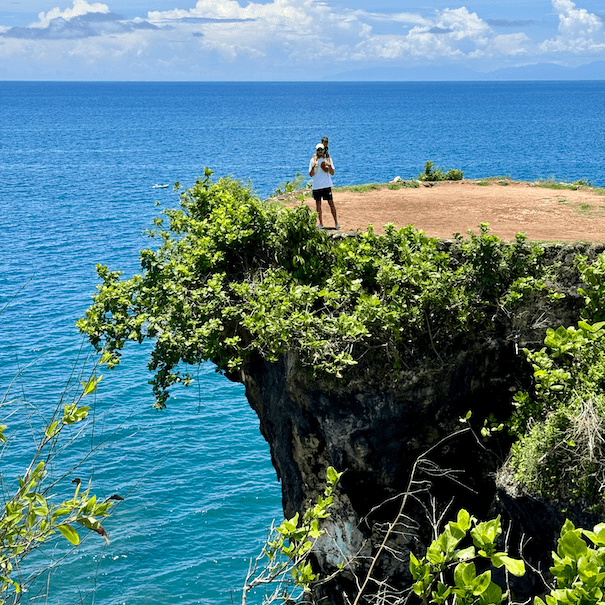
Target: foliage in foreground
{"points": [[30, 516], [284, 564], [448, 571], [447, 574], [234, 277], [457, 568]]}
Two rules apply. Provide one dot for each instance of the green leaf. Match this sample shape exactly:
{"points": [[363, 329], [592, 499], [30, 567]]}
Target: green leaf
{"points": [[481, 583], [441, 594], [464, 519], [513, 566], [598, 535], [435, 555], [70, 533], [465, 554], [51, 429], [571, 545], [492, 595], [464, 575], [415, 566], [91, 385], [450, 538], [333, 475]]}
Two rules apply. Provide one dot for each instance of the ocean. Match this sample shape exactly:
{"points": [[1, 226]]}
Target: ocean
{"points": [[78, 162]]}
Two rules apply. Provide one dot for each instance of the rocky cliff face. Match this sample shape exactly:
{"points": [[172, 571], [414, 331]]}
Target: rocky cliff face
{"points": [[374, 431]]}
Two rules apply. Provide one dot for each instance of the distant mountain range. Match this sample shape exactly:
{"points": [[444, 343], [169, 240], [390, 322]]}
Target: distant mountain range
{"points": [[432, 73]]}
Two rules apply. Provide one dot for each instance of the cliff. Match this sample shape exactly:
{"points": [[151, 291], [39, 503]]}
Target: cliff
{"points": [[367, 353], [375, 430]]}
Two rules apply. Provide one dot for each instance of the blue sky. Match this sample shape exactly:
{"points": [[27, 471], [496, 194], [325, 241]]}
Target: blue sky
{"points": [[289, 39]]}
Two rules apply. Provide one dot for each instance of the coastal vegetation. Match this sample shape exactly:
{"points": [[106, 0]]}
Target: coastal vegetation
{"points": [[448, 573], [284, 564], [560, 426], [298, 188], [550, 183], [503, 181], [393, 186], [467, 562], [232, 279]]}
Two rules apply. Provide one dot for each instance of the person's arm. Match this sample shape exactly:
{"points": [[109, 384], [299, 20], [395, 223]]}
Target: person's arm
{"points": [[312, 166], [331, 167]]}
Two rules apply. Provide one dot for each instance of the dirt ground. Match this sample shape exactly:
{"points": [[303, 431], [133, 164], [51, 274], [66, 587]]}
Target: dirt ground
{"points": [[509, 207]]}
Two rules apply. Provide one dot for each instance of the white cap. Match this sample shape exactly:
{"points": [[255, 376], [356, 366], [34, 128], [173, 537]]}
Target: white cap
{"points": [[318, 146]]}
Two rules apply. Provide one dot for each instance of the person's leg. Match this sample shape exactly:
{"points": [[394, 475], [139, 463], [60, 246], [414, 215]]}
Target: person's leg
{"points": [[317, 197], [333, 209]]}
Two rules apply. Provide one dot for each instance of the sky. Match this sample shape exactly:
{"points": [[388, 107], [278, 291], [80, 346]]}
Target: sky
{"points": [[290, 40]]}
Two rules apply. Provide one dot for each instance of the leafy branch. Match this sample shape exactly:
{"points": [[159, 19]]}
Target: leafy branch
{"points": [[29, 516], [285, 562]]}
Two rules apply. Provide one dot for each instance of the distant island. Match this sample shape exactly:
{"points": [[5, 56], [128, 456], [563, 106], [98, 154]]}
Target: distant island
{"points": [[442, 73]]}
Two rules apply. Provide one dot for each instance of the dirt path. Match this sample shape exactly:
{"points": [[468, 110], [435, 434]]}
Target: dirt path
{"points": [[509, 207]]}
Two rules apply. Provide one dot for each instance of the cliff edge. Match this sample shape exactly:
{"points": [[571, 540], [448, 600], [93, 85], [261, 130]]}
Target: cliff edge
{"points": [[396, 358], [375, 429]]}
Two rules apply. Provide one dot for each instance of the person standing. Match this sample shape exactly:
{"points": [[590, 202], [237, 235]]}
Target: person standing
{"points": [[321, 169]]}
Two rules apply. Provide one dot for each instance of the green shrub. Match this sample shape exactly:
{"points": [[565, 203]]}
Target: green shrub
{"points": [[453, 174], [593, 276], [432, 173], [296, 185], [447, 574], [550, 183]]}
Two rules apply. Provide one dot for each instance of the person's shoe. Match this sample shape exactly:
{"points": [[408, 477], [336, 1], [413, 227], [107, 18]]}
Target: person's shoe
{"points": [[337, 227]]}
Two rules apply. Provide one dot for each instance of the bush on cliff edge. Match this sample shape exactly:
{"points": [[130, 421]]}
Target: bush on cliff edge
{"points": [[232, 277]]}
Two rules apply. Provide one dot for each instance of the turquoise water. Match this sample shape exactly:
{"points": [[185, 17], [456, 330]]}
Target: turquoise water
{"points": [[77, 166]]}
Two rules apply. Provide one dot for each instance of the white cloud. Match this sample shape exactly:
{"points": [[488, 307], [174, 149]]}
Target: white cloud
{"points": [[290, 13], [83, 20], [579, 30], [406, 18], [79, 8], [505, 45], [282, 38], [450, 34], [464, 25], [284, 30]]}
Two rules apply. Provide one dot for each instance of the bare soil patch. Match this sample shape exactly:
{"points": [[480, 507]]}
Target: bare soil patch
{"points": [[509, 207]]}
